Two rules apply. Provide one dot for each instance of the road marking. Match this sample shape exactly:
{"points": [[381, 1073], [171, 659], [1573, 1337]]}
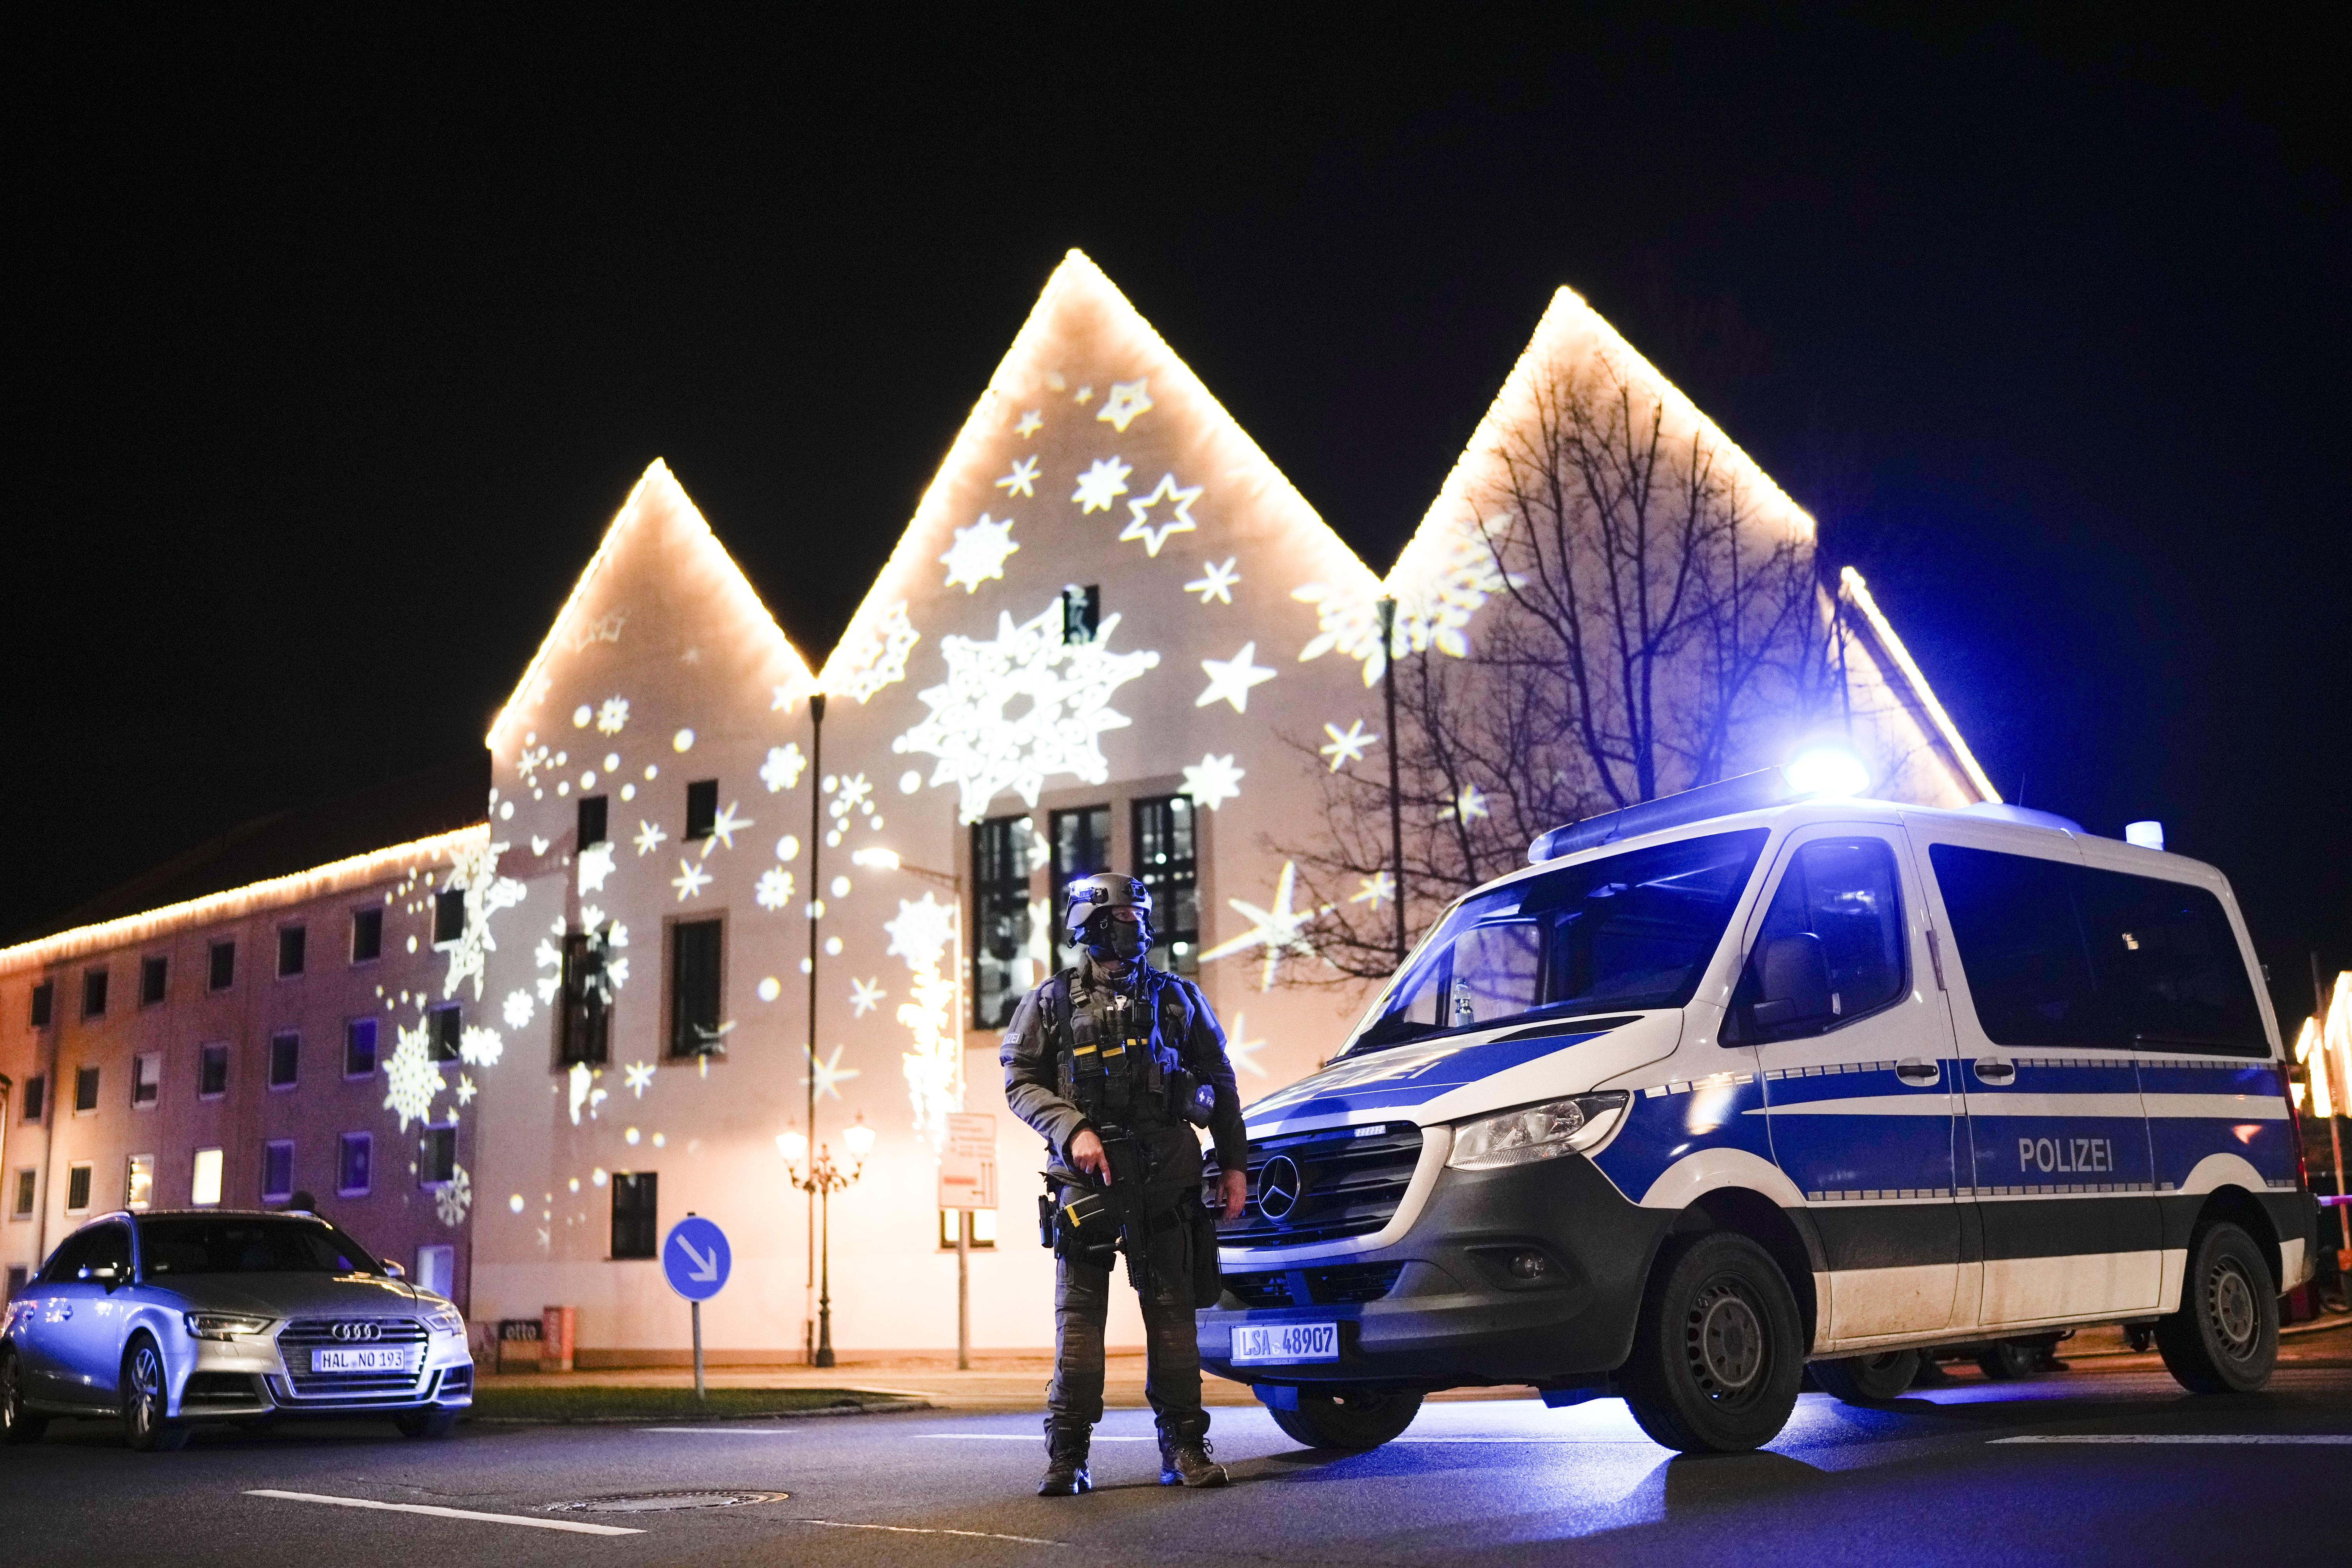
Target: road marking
{"points": [[916, 1529], [573, 1526], [1022, 1437], [2231, 1438]]}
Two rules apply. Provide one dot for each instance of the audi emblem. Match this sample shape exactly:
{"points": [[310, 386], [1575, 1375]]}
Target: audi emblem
{"points": [[350, 1332], [1278, 1186]]}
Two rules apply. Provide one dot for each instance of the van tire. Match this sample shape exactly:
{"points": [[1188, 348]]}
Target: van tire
{"points": [[1868, 1379], [2007, 1360], [2225, 1338], [1719, 1350], [1352, 1418]]}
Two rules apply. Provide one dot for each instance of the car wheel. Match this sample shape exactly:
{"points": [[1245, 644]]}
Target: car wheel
{"points": [[18, 1424], [428, 1424], [2225, 1338], [2008, 1361], [1868, 1379], [1352, 1418], [1719, 1350], [145, 1399]]}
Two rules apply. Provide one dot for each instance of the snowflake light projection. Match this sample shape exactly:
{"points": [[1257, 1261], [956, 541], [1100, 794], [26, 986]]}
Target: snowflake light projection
{"points": [[690, 880], [775, 889], [827, 1075], [865, 995], [1275, 930], [1348, 746], [1469, 805], [1030, 424], [412, 1078], [1129, 401], [1178, 518], [724, 825], [466, 1089], [649, 837], [876, 655], [1214, 582], [1373, 890], [1021, 481], [1230, 679], [1061, 690], [1434, 612], [613, 715], [455, 1196], [978, 552], [851, 796], [1102, 484], [638, 1078], [1214, 781], [1242, 1053], [473, 867], [531, 758], [594, 864], [517, 1008], [921, 934], [478, 1046], [784, 767], [584, 1094]]}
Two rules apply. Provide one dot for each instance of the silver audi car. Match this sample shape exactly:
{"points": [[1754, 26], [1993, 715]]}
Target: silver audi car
{"points": [[163, 1319]]}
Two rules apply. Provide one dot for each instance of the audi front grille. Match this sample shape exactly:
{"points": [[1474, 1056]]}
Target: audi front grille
{"points": [[304, 1335]]}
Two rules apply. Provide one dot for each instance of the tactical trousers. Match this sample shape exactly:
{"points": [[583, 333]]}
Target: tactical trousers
{"points": [[1172, 1379]]}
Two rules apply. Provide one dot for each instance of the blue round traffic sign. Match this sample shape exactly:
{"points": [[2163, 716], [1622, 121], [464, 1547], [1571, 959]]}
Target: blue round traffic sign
{"points": [[694, 1258]]}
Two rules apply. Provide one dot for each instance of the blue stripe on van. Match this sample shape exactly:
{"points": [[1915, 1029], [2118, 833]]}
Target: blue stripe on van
{"points": [[1403, 1075]]}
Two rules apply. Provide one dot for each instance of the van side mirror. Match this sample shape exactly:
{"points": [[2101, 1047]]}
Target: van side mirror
{"points": [[1794, 983]]}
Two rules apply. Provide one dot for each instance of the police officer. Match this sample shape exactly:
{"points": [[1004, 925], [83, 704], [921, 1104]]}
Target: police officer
{"points": [[1114, 1063]]}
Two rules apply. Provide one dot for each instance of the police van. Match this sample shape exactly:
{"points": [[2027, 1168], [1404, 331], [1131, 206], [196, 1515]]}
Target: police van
{"points": [[1744, 1079]]}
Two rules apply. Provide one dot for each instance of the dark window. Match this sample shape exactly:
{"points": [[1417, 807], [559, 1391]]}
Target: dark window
{"points": [[636, 1215], [93, 994], [583, 1023], [701, 807], [153, 973], [694, 958], [66, 1261], [2021, 947], [146, 1078], [212, 1070], [27, 1182], [979, 1226], [292, 942], [285, 1059], [1842, 894], [37, 1096], [359, 1049], [2167, 961], [223, 974], [15, 1284], [443, 1028], [1081, 848], [436, 1156], [1001, 966], [44, 1000], [448, 915], [592, 819], [354, 1160], [1167, 859], [367, 935], [77, 1188], [278, 1171], [1081, 613], [85, 1088]]}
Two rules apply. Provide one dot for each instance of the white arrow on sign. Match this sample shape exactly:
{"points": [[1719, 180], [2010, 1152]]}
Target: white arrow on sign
{"points": [[704, 1267]]}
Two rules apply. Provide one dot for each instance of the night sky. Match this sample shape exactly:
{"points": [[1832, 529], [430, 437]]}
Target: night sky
{"points": [[335, 348]]}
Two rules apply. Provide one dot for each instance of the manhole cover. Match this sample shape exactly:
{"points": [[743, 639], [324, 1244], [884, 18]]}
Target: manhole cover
{"points": [[663, 1502]]}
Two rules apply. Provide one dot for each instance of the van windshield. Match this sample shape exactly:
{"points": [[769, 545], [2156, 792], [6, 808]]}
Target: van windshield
{"points": [[1627, 932]]}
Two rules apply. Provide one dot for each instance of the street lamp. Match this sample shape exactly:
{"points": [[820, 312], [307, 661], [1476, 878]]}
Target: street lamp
{"points": [[825, 1179]]}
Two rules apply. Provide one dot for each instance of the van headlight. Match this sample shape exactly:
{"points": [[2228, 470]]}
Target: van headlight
{"points": [[445, 1319], [1536, 1131], [223, 1325]]}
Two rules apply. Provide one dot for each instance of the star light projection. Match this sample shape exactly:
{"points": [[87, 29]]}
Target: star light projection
{"points": [[1177, 519], [1128, 402], [979, 552], [1062, 694], [1214, 781], [1230, 679], [1100, 484], [828, 1074], [1277, 931], [1348, 747], [1215, 582], [1021, 481]]}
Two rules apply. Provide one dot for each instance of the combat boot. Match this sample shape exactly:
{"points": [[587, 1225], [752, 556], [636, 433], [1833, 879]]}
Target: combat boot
{"points": [[1065, 1461], [1185, 1461]]}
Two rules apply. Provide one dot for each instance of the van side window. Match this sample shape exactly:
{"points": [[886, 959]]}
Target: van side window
{"points": [[2021, 947], [2163, 951], [1845, 895]]}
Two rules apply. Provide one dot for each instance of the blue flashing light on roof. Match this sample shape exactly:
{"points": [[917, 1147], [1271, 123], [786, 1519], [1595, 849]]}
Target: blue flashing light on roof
{"points": [[1827, 770], [1820, 771]]}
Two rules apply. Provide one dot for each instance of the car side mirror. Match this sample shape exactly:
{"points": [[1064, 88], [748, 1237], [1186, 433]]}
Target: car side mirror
{"points": [[102, 1273], [393, 1271], [1794, 983]]}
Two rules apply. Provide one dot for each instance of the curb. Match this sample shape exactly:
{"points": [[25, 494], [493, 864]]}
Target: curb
{"points": [[840, 1407]]}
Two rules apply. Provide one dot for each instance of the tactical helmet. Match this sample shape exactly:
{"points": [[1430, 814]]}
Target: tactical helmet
{"points": [[1089, 896]]}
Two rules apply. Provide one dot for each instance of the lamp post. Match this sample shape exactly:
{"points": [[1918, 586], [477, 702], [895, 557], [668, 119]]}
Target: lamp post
{"points": [[815, 913], [823, 1180]]}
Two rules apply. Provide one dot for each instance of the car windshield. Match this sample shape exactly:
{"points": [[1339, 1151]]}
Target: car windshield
{"points": [[1629, 931], [248, 1244]]}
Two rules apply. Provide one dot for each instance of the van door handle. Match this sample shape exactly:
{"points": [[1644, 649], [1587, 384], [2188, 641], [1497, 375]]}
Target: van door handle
{"points": [[1917, 1071], [65, 1311], [1993, 1069]]}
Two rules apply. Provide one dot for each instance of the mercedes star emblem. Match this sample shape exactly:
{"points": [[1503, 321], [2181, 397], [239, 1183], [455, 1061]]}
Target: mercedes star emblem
{"points": [[1278, 1188]]}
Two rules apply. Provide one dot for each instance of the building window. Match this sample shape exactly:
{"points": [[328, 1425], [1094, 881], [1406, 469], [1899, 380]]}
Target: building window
{"points": [[636, 1215], [359, 1049], [444, 1029], [44, 999], [212, 1070], [701, 807], [146, 1078], [592, 819], [436, 1268], [1081, 614], [85, 1091], [367, 935], [77, 1187], [93, 994], [1081, 848], [694, 966], [1167, 860], [204, 1182], [152, 973], [980, 1227], [278, 1171], [293, 943], [37, 1097], [1004, 965], [354, 1164], [20, 1205], [285, 1059], [583, 1023], [222, 974], [139, 1182], [448, 915], [436, 1156]]}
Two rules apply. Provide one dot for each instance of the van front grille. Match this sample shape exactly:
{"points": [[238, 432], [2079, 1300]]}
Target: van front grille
{"points": [[1349, 1180]]}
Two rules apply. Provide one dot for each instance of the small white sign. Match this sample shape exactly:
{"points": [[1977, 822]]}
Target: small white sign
{"points": [[968, 1163]]}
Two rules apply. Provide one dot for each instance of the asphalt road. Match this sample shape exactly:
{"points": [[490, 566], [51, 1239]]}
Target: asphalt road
{"points": [[2073, 1468]]}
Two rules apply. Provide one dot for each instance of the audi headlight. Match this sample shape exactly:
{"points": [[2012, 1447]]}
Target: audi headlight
{"points": [[445, 1319], [1542, 1131], [223, 1325]]}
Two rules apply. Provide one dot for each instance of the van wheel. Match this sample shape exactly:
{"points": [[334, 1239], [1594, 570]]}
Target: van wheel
{"points": [[1718, 1351], [1352, 1418], [2224, 1337], [18, 1423], [1868, 1379], [145, 1400], [2008, 1361]]}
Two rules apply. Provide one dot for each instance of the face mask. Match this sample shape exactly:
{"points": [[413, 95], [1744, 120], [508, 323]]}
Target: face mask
{"points": [[1118, 940]]}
